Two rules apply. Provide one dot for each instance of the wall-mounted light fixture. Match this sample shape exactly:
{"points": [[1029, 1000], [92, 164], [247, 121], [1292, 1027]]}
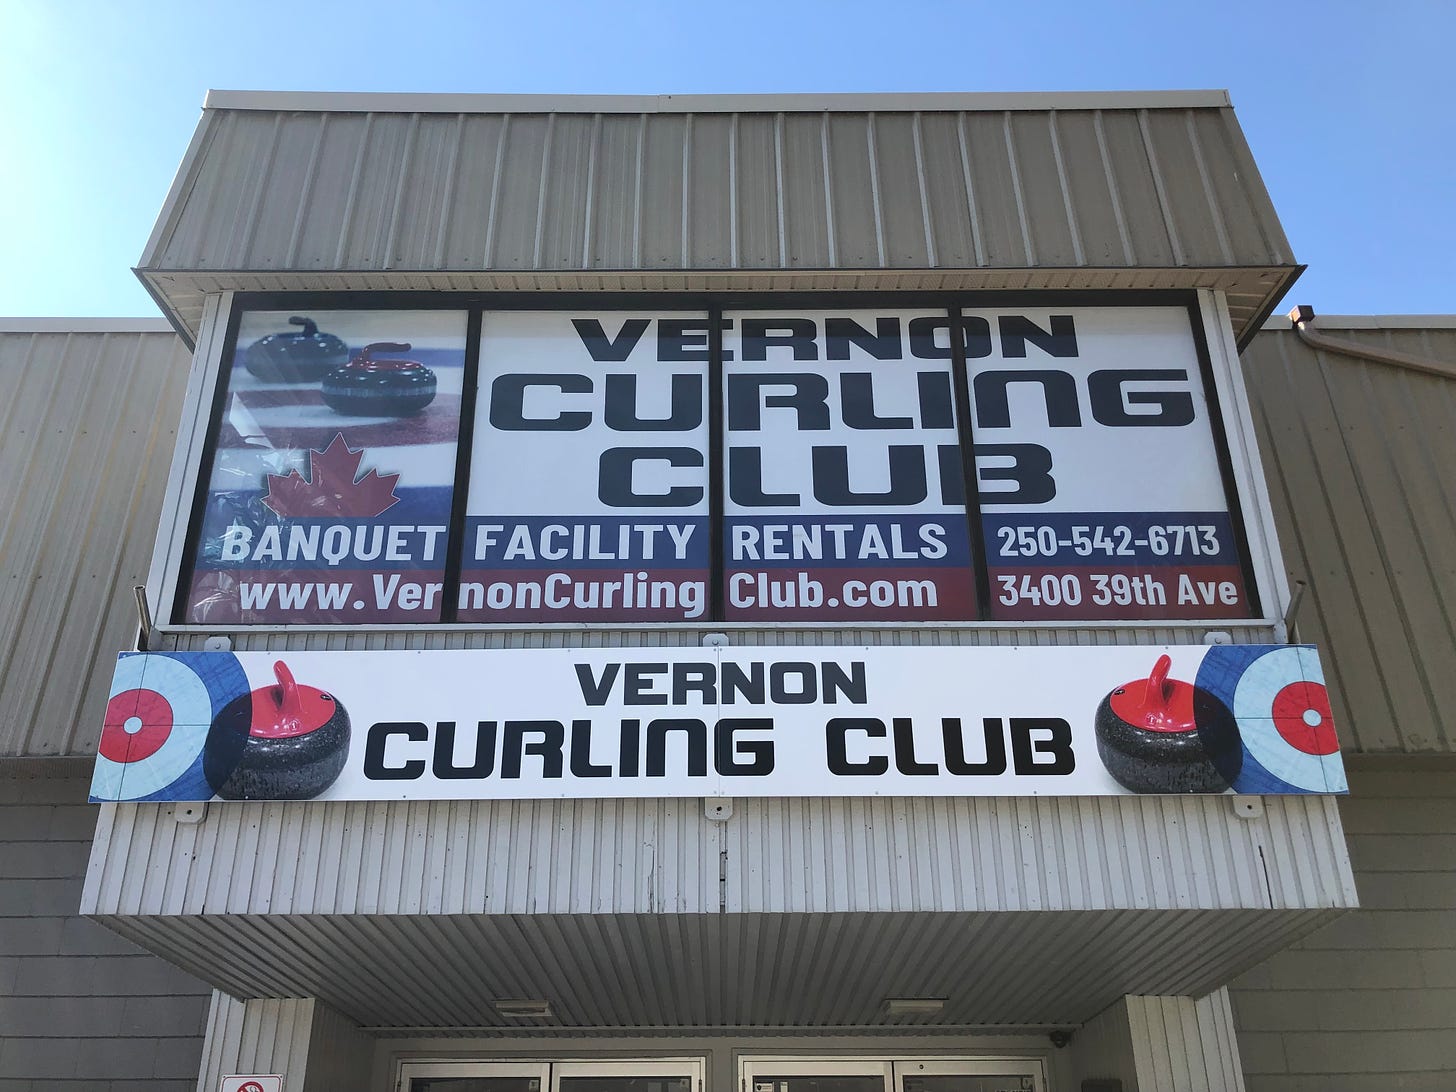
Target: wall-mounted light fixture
{"points": [[522, 1007], [914, 1006]]}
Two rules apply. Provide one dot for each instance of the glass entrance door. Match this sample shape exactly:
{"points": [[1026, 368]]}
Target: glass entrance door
{"points": [[656, 1075], [893, 1075], [474, 1077], [817, 1075], [970, 1075]]}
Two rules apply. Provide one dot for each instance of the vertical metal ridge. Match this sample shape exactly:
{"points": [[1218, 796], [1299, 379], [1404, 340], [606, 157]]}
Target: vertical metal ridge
{"points": [[971, 204], [1017, 189], [547, 147], [638, 184], [594, 150], [448, 189], [735, 248], [389, 250], [687, 191], [305, 195], [493, 215], [1114, 192], [830, 231], [1215, 212], [1079, 255], [1164, 206], [876, 197], [351, 194], [780, 193], [244, 242], [925, 209]]}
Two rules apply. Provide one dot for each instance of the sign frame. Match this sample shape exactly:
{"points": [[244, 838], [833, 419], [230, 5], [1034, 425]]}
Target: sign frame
{"points": [[1239, 466], [718, 722]]}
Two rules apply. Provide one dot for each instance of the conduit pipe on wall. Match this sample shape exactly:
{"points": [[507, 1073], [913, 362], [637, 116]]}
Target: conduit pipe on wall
{"points": [[1302, 319]]}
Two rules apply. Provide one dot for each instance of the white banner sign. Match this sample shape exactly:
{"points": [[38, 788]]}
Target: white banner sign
{"points": [[812, 721]]}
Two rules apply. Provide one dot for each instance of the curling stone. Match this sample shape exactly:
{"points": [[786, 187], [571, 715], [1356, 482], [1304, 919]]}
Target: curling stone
{"points": [[303, 357], [370, 387], [1161, 735], [298, 741]]}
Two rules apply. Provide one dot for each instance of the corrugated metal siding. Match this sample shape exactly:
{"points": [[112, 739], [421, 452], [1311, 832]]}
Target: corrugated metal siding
{"points": [[264, 1036], [775, 856], [86, 431], [313, 1047], [705, 970], [1028, 854], [687, 636], [1359, 456], [1180, 1043], [276, 190], [316, 192], [1024, 911]]}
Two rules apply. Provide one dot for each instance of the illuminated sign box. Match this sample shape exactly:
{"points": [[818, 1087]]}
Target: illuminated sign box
{"points": [[863, 464]]}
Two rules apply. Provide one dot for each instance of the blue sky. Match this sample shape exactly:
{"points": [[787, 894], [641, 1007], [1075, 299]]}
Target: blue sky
{"points": [[1348, 106]]}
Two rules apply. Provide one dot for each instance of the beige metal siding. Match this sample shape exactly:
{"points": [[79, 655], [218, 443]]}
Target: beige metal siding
{"points": [[1022, 911], [1035, 192], [773, 856], [1180, 1043], [262, 1037], [1370, 1001], [1359, 456], [313, 1047], [1120, 188], [85, 435]]}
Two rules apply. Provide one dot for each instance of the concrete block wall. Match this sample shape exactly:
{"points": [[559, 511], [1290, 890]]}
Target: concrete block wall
{"points": [[80, 1008], [1369, 1002]]}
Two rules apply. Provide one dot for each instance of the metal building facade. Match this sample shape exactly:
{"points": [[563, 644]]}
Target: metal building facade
{"points": [[381, 921]]}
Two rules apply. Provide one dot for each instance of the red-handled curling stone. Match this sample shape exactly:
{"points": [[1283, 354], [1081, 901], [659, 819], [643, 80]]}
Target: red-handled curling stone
{"points": [[298, 741], [1162, 735], [374, 386]]}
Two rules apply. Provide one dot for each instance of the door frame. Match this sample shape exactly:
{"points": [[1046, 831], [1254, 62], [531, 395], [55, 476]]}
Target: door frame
{"points": [[895, 1067]]}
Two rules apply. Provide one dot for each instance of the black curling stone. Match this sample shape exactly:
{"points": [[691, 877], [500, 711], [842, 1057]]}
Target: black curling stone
{"points": [[1161, 735], [303, 357], [296, 746], [370, 386]]}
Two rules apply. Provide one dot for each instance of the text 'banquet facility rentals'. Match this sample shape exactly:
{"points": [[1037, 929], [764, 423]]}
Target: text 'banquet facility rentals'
{"points": [[842, 593]]}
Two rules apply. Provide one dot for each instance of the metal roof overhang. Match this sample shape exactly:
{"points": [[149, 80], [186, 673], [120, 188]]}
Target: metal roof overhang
{"points": [[1252, 293], [783, 972]]}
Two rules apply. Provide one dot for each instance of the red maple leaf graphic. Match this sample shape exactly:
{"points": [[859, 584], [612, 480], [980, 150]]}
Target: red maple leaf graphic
{"points": [[332, 488]]}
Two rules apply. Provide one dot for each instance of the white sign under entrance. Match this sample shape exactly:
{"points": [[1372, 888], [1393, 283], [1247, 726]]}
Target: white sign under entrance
{"points": [[747, 722]]}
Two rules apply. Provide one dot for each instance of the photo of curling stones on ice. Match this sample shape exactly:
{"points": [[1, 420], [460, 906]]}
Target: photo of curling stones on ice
{"points": [[302, 356], [362, 384], [373, 386], [1163, 735], [286, 741]]}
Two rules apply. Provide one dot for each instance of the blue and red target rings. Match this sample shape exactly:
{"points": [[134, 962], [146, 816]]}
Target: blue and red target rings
{"points": [[162, 709], [1279, 700]]}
